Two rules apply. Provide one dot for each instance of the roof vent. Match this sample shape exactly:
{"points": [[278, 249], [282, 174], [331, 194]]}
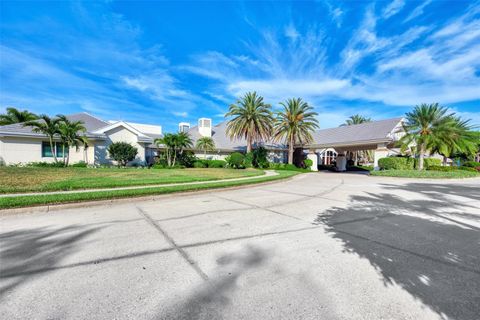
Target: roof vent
{"points": [[183, 127], [205, 127]]}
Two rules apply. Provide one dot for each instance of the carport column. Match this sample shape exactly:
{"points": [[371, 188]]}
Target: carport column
{"points": [[314, 157], [380, 152]]}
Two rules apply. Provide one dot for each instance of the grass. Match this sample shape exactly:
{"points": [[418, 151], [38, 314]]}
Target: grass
{"points": [[30, 179], [35, 200], [425, 174]]}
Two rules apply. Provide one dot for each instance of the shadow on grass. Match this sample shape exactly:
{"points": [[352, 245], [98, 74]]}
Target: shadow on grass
{"points": [[24, 251], [209, 300], [413, 244]]}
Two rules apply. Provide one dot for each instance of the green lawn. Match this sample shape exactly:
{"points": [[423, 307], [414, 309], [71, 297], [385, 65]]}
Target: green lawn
{"points": [[25, 201], [425, 174], [14, 179]]}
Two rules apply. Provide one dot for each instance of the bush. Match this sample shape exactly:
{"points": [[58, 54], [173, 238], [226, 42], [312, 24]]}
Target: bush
{"points": [[308, 163], [260, 157], [215, 163], [45, 164], [236, 160], [122, 152], [186, 159], [199, 164], [429, 162], [159, 166], [472, 164], [449, 169], [396, 163], [248, 161], [80, 164]]}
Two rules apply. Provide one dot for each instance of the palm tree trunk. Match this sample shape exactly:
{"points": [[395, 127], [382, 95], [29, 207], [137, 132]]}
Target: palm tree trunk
{"points": [[204, 154], [249, 143], [421, 156], [63, 151], [290, 151], [52, 149]]}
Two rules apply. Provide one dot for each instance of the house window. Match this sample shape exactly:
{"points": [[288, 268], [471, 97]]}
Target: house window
{"points": [[46, 150], [59, 148]]}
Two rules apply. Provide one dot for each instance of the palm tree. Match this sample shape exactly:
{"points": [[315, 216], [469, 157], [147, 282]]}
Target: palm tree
{"points": [[175, 143], [47, 126], [428, 126], [69, 135], [352, 120], [295, 124], [205, 144], [16, 116], [355, 119], [252, 119], [459, 139]]}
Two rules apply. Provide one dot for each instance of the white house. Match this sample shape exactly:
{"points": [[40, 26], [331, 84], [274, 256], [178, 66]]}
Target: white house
{"points": [[19, 144]]}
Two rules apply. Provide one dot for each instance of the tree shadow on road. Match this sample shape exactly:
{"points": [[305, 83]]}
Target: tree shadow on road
{"points": [[412, 245], [209, 300], [26, 251]]}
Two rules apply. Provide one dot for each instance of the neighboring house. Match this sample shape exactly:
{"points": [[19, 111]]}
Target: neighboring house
{"points": [[378, 136], [277, 152], [19, 144]]}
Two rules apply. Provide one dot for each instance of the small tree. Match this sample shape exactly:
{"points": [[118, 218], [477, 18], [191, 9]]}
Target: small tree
{"points": [[205, 144], [122, 152], [236, 160]]}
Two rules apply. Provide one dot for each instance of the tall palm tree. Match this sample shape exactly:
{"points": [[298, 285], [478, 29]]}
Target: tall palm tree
{"points": [[426, 126], [295, 124], [252, 119], [14, 115], [47, 126], [205, 144], [352, 120], [72, 134]]}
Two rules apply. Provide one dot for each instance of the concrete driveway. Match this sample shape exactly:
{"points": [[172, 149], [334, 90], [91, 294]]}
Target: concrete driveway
{"points": [[320, 246]]}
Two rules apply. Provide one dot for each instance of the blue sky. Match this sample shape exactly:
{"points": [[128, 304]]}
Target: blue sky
{"points": [[166, 62]]}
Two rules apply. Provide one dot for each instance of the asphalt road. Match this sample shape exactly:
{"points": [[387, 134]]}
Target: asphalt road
{"points": [[320, 246]]}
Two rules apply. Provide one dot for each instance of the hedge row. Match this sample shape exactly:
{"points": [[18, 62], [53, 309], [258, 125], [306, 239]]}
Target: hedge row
{"points": [[449, 169], [402, 163]]}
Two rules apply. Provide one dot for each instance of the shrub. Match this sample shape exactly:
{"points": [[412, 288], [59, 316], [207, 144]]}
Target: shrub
{"points": [[472, 164], [260, 158], [199, 164], [429, 162], [80, 164], [159, 166], [187, 159], [122, 152], [215, 163], [236, 160], [449, 169], [308, 163], [45, 164], [248, 161], [396, 163]]}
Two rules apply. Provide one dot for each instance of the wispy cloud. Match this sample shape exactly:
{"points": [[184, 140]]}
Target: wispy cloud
{"points": [[418, 11], [393, 8]]}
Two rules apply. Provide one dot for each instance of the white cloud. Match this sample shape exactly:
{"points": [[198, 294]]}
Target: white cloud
{"points": [[393, 8], [418, 11], [291, 32], [180, 114]]}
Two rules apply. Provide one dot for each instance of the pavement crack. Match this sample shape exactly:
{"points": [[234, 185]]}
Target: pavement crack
{"points": [[170, 240]]}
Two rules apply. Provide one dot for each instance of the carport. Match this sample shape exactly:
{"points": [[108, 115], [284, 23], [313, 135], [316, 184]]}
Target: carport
{"points": [[378, 136]]}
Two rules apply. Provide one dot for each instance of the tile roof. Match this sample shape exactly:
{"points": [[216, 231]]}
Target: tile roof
{"points": [[368, 131]]}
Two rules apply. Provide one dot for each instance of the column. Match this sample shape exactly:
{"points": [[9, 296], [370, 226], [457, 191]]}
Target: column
{"points": [[314, 157]]}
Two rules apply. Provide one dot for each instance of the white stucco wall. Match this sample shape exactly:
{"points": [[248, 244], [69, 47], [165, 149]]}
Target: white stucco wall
{"points": [[15, 150]]}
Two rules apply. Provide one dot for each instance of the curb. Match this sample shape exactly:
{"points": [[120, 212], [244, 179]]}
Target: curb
{"points": [[109, 202]]}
